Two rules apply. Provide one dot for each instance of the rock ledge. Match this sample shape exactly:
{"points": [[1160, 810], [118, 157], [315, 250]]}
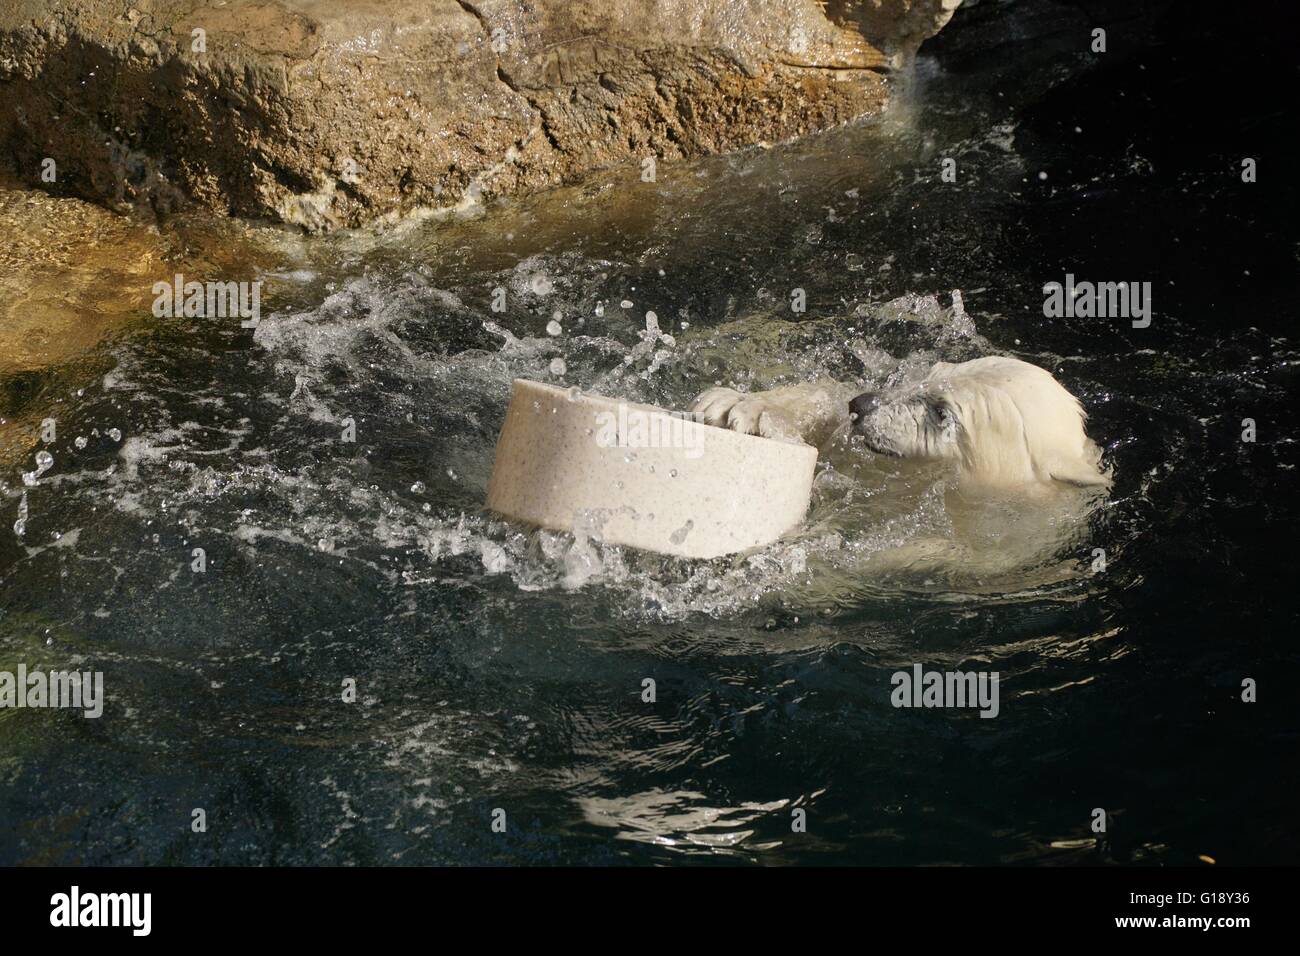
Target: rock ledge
{"points": [[329, 113]]}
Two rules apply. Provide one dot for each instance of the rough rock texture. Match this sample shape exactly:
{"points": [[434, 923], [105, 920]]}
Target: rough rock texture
{"points": [[338, 112]]}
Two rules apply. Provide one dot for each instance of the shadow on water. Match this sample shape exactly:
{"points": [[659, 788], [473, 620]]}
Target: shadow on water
{"points": [[497, 668]]}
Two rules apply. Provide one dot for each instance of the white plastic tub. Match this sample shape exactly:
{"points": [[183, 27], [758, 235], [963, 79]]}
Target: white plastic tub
{"points": [[641, 476]]}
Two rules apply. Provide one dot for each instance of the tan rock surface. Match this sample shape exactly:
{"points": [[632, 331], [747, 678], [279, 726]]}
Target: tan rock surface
{"points": [[333, 113]]}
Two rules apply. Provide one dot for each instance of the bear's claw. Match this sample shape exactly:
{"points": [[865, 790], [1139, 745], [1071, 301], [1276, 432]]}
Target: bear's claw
{"points": [[747, 414]]}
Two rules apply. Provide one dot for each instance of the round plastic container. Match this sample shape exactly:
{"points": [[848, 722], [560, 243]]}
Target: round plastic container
{"points": [[641, 476]]}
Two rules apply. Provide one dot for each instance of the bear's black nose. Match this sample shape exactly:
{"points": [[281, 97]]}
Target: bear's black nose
{"points": [[863, 405]]}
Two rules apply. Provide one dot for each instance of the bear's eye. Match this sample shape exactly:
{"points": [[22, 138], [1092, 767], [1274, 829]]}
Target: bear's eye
{"points": [[938, 408], [943, 415]]}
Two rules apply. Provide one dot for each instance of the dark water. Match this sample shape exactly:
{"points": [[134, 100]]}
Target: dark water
{"points": [[497, 669]]}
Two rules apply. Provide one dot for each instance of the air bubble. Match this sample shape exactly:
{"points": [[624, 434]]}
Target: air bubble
{"points": [[20, 526]]}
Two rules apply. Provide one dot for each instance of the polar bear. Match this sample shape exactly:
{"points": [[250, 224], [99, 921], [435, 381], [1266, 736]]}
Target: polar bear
{"points": [[1003, 423]]}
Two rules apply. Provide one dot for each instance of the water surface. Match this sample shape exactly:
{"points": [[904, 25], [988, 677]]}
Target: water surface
{"points": [[501, 668]]}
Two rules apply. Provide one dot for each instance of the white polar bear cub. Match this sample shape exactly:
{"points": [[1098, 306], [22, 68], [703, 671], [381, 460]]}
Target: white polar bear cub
{"points": [[1002, 422]]}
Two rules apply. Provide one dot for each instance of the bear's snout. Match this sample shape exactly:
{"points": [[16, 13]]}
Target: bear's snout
{"points": [[862, 406]]}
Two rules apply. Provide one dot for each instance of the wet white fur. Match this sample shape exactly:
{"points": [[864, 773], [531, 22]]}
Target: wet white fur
{"points": [[1002, 422]]}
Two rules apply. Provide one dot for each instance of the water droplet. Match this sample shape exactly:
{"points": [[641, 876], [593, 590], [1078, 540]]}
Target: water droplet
{"points": [[558, 367], [80, 441], [554, 328], [115, 434], [574, 394], [626, 304], [417, 488]]}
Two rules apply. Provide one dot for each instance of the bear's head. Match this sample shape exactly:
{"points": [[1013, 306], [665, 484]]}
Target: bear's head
{"points": [[1001, 421]]}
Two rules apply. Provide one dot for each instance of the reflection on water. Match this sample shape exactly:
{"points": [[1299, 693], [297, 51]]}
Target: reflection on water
{"points": [[679, 820], [489, 674]]}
